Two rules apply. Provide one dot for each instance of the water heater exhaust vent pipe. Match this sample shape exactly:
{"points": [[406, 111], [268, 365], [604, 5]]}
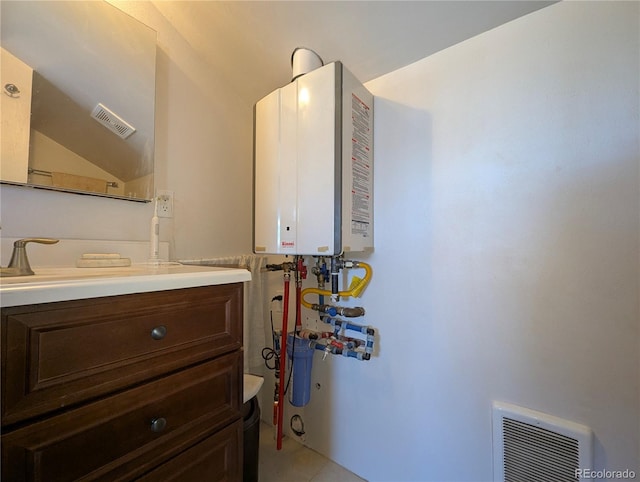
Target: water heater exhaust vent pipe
{"points": [[303, 61]]}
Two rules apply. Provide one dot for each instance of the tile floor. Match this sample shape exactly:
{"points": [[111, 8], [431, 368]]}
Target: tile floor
{"points": [[296, 463]]}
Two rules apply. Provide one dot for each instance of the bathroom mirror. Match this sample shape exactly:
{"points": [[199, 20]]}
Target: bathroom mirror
{"points": [[78, 98]]}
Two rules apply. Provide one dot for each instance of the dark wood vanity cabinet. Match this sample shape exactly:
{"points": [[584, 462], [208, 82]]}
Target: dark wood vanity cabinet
{"points": [[142, 386]]}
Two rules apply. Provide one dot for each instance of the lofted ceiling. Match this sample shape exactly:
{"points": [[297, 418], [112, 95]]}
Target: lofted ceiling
{"points": [[251, 42], [248, 44]]}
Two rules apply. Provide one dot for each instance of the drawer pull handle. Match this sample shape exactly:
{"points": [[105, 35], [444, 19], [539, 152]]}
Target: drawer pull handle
{"points": [[159, 332], [158, 424]]}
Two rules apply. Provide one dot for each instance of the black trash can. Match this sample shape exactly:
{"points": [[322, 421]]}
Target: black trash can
{"points": [[251, 433]]}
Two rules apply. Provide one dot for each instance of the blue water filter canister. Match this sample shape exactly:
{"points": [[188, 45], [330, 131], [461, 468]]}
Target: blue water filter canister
{"points": [[301, 352]]}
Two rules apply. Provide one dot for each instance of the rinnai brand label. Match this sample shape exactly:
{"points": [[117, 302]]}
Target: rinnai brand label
{"points": [[360, 166], [287, 244]]}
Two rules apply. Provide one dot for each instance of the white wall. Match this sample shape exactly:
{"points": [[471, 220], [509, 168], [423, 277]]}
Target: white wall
{"points": [[506, 251], [507, 236], [203, 154]]}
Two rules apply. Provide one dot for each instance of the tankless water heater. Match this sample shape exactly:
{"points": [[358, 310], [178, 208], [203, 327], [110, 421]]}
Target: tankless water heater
{"points": [[313, 166]]}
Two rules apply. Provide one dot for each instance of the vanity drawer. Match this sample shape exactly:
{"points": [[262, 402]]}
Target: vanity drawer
{"points": [[113, 438], [216, 459], [57, 355]]}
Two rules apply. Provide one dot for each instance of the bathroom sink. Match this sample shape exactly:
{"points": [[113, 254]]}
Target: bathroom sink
{"points": [[251, 386], [72, 273], [50, 284]]}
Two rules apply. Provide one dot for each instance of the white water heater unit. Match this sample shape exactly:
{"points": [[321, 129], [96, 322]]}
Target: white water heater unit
{"points": [[313, 166]]}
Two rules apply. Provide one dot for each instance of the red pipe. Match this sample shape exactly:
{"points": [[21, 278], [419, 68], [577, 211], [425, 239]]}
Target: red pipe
{"points": [[283, 358], [299, 268]]}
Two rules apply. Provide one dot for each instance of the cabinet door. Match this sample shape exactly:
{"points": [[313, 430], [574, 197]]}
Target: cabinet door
{"points": [[128, 434], [216, 459], [58, 355]]}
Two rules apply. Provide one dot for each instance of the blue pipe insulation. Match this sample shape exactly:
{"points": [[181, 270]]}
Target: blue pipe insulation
{"points": [[338, 310], [370, 332], [324, 271], [276, 334], [356, 354], [326, 309], [338, 323], [369, 347], [334, 350]]}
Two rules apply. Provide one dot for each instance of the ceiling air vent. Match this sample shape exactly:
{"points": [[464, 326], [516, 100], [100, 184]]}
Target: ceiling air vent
{"points": [[112, 121], [530, 446]]}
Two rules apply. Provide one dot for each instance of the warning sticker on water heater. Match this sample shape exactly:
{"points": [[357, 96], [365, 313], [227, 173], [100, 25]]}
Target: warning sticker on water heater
{"points": [[361, 171]]}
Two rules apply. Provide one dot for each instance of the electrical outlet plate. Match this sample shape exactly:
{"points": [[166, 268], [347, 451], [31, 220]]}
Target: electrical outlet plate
{"points": [[165, 203]]}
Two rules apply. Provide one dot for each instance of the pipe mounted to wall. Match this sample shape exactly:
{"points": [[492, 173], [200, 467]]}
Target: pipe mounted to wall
{"points": [[301, 273], [283, 356], [355, 290]]}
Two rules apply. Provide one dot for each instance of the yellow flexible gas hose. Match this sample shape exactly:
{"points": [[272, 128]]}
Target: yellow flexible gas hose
{"points": [[354, 291]]}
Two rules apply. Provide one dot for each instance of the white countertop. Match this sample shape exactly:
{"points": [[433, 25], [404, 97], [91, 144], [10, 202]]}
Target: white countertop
{"points": [[50, 284]]}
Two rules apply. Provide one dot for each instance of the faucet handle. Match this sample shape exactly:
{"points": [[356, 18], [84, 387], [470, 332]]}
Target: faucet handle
{"points": [[22, 242], [19, 263]]}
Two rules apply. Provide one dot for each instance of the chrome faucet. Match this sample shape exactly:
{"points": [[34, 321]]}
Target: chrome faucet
{"points": [[19, 264]]}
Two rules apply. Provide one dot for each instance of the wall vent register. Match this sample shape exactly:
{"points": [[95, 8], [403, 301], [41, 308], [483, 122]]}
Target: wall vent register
{"points": [[112, 121], [533, 446]]}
